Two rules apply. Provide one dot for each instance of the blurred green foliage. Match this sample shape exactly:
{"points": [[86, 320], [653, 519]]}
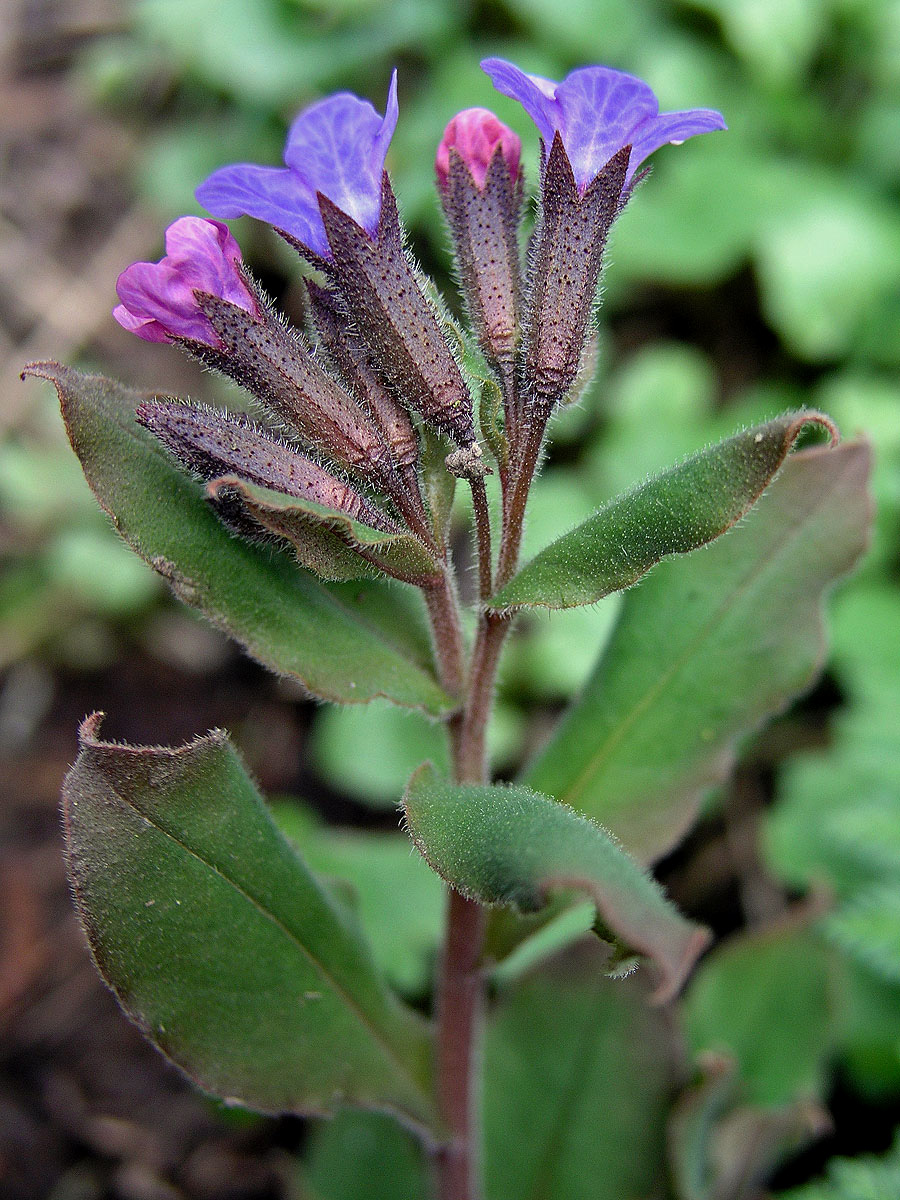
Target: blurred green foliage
{"points": [[754, 271]]}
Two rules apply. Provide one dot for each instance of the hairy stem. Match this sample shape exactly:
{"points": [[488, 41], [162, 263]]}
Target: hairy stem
{"points": [[515, 497], [460, 991], [460, 1004], [483, 536], [443, 611]]}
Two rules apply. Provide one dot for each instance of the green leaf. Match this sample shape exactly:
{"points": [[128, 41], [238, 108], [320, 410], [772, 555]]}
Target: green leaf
{"points": [[400, 903], [680, 510], [313, 529], [508, 845], [579, 1072], [768, 1000], [365, 1156], [347, 647], [706, 648], [219, 942], [438, 483], [864, 1178], [867, 928]]}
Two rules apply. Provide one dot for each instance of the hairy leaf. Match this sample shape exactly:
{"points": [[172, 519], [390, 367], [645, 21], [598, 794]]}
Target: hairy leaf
{"points": [[579, 1072], [680, 510], [301, 522], [343, 648], [509, 845], [705, 649], [220, 943]]}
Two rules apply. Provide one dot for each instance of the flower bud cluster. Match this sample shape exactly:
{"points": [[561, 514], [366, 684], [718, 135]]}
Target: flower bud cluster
{"points": [[347, 398]]}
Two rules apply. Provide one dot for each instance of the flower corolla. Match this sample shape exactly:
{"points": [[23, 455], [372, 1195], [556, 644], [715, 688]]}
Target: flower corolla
{"points": [[157, 299], [335, 148], [598, 111]]}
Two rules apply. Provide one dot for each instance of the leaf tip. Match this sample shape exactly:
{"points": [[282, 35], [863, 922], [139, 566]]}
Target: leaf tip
{"points": [[675, 970], [812, 416], [90, 728]]}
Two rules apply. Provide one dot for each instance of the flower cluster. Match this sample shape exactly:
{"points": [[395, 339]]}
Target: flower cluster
{"points": [[352, 396]]}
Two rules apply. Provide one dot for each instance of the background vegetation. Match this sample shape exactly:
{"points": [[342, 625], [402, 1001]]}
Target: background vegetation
{"points": [[757, 270]]}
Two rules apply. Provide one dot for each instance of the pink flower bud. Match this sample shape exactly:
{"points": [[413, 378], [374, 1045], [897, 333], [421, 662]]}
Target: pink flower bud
{"points": [[475, 135], [158, 301]]}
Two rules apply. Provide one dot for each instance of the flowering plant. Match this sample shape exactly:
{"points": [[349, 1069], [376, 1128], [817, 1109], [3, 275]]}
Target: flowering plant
{"points": [[249, 969]]}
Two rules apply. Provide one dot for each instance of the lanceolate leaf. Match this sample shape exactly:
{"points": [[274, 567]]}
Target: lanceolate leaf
{"points": [[508, 845], [342, 649], [705, 649], [675, 512], [399, 554], [222, 945], [579, 1074]]}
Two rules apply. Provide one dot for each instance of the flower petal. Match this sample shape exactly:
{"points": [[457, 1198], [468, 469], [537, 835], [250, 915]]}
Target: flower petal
{"points": [[596, 112], [158, 301], [533, 92], [599, 111], [276, 195], [338, 147], [672, 129], [159, 293]]}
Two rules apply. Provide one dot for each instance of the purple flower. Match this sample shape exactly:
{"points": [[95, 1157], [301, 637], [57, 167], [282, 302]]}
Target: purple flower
{"points": [[158, 301], [475, 135], [596, 112], [336, 147]]}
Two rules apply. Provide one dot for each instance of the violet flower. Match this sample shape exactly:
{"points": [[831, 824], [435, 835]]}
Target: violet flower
{"points": [[336, 147], [596, 112], [475, 134], [158, 301]]}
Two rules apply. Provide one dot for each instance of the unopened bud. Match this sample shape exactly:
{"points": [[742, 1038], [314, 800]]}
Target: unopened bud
{"points": [[481, 193], [211, 444], [351, 359], [476, 135], [266, 357]]}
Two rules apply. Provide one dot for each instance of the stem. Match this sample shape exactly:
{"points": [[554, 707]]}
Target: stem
{"points": [[515, 498], [460, 991], [443, 610], [483, 534], [460, 1005]]}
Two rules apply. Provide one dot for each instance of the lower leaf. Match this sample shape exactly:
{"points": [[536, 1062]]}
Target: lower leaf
{"points": [[220, 943], [579, 1073]]}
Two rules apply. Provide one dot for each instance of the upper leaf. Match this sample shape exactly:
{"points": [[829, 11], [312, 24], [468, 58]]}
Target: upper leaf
{"points": [[705, 649], [347, 650], [508, 845], [680, 510], [221, 944], [397, 553]]}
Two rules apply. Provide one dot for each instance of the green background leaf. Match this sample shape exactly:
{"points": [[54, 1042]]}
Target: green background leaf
{"points": [[579, 1114], [770, 1000]]}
